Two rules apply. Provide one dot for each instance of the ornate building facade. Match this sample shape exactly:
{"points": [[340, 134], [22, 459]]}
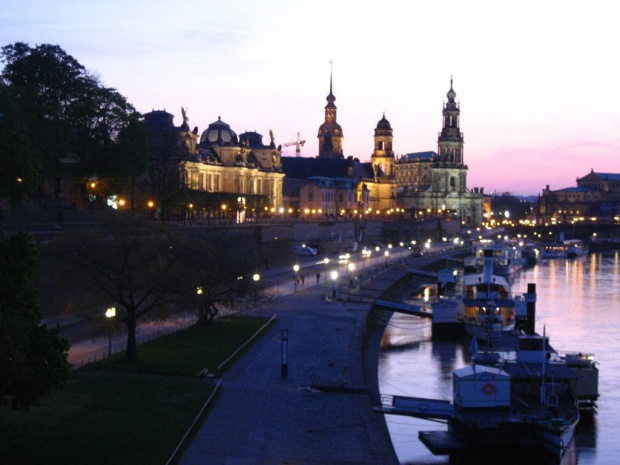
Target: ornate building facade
{"points": [[596, 198], [437, 182], [220, 161]]}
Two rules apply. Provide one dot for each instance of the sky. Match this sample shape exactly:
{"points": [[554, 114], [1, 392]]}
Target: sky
{"points": [[537, 80]]}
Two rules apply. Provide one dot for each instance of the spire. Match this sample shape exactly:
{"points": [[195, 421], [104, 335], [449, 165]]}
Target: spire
{"points": [[330, 98]]}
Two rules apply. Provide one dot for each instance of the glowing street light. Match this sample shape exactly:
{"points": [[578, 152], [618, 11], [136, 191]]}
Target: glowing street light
{"points": [[334, 276], [109, 314], [295, 271]]}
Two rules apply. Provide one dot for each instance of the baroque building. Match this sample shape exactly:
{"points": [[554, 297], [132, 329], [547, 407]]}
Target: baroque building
{"points": [[437, 181], [596, 198], [221, 160]]}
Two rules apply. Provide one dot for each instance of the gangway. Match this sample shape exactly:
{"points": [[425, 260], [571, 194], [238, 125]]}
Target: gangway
{"points": [[428, 409], [407, 309]]}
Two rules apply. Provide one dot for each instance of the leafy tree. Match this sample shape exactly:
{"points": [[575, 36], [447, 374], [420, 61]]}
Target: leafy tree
{"points": [[68, 113], [19, 168], [33, 358]]}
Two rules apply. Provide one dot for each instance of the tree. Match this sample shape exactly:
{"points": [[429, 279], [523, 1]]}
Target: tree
{"points": [[68, 113], [33, 358], [148, 272], [19, 167]]}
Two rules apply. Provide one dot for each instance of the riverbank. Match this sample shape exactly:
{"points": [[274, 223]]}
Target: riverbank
{"points": [[322, 411]]}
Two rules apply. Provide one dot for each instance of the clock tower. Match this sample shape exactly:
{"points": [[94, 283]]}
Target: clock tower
{"points": [[450, 141]]}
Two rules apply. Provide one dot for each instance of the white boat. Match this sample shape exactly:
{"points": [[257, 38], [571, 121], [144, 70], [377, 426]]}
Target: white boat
{"points": [[507, 258], [553, 250], [517, 402], [575, 248], [482, 304]]}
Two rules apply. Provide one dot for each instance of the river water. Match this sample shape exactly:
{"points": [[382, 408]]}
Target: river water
{"points": [[578, 302]]}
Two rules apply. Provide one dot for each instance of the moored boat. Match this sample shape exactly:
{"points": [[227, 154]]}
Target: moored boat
{"points": [[575, 248]]}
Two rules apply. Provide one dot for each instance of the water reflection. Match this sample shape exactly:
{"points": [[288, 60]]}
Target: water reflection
{"points": [[579, 304]]}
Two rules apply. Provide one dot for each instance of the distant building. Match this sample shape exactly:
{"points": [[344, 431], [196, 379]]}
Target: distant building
{"points": [[332, 196], [436, 183], [596, 198]]}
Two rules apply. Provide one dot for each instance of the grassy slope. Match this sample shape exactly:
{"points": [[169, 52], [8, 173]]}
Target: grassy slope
{"points": [[112, 412]]}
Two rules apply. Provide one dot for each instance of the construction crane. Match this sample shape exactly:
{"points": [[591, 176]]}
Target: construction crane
{"points": [[298, 144]]}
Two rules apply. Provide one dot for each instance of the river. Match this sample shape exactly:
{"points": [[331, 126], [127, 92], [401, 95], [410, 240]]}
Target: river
{"points": [[578, 302]]}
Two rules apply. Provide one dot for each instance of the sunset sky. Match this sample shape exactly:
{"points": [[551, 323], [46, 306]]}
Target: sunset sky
{"points": [[537, 80]]}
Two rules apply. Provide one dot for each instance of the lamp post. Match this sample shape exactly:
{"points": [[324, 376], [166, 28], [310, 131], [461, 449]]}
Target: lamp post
{"points": [[387, 255], [334, 276], [351, 271], [401, 245], [377, 249], [326, 261], [109, 314], [295, 271]]}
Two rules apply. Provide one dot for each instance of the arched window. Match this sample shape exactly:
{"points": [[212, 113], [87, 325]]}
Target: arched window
{"points": [[452, 183]]}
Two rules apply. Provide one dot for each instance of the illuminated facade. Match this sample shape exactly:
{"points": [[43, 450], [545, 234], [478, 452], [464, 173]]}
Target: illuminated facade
{"points": [[437, 181], [596, 198], [382, 185], [221, 161]]}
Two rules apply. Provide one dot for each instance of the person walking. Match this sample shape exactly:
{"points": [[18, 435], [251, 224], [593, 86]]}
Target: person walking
{"points": [[303, 278], [318, 277]]}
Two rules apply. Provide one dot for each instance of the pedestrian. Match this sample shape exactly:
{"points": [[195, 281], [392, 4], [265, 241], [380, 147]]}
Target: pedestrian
{"points": [[318, 277], [303, 278]]}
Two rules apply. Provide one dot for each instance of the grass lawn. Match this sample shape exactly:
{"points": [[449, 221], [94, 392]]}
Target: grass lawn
{"points": [[113, 412]]}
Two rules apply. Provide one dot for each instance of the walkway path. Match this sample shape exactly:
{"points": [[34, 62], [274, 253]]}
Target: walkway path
{"points": [[262, 418]]}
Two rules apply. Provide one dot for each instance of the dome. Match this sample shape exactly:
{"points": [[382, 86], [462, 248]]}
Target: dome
{"points": [[383, 123], [451, 94], [219, 133]]}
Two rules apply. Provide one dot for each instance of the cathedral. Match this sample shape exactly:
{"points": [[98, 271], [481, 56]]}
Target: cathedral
{"points": [[437, 181], [420, 183]]}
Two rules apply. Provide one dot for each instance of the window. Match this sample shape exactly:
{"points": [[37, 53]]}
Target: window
{"points": [[310, 196], [340, 197]]}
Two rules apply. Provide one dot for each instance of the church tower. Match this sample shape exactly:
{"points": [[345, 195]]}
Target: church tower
{"points": [[330, 133], [383, 186], [382, 158], [450, 141]]}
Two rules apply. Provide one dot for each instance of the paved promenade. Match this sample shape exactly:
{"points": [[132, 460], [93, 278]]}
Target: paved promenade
{"points": [[261, 418]]}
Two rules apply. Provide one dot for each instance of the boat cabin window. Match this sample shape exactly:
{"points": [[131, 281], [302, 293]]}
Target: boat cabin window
{"points": [[531, 344]]}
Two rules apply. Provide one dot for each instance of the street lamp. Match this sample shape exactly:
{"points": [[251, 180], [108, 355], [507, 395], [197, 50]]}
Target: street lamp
{"points": [[109, 314], [326, 261], [387, 255], [377, 249], [351, 270], [334, 276], [295, 270]]}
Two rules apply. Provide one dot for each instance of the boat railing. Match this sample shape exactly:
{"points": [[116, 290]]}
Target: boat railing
{"points": [[581, 359]]}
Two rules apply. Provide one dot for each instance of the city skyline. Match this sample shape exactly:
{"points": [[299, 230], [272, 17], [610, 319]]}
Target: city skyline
{"points": [[536, 82]]}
